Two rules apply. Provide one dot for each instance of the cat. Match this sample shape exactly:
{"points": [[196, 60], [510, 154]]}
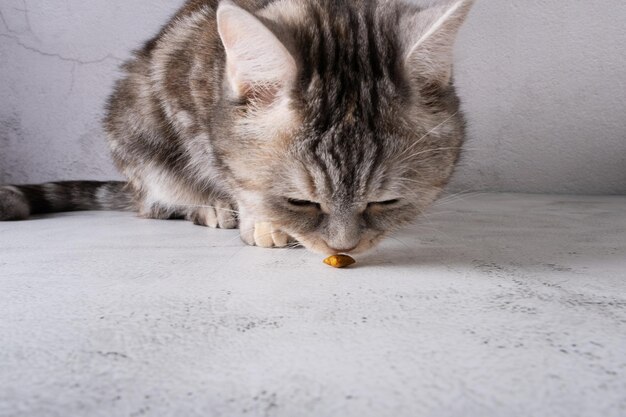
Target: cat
{"points": [[324, 123]]}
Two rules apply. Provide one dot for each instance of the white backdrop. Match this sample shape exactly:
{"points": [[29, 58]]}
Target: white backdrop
{"points": [[543, 84]]}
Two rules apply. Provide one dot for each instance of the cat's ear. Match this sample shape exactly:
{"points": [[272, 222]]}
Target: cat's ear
{"points": [[257, 63], [432, 34]]}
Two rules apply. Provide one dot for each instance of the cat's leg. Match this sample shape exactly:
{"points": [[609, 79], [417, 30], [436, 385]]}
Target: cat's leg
{"points": [[163, 196], [217, 213]]}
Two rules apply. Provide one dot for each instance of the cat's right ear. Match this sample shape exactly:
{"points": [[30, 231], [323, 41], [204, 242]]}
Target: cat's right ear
{"points": [[432, 33], [257, 64]]}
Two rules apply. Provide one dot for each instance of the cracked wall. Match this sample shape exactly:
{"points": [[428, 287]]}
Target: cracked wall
{"points": [[58, 62], [543, 86]]}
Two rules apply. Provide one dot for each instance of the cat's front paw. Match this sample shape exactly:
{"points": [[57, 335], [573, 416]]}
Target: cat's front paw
{"points": [[220, 215], [264, 235]]}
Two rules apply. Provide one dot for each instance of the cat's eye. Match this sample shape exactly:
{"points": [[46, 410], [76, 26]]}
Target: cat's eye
{"points": [[384, 203], [304, 203]]}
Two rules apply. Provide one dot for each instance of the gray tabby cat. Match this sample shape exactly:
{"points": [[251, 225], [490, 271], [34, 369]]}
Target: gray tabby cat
{"points": [[331, 123]]}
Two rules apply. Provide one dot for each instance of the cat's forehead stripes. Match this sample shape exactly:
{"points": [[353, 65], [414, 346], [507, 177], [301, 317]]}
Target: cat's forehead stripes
{"points": [[348, 64], [341, 168], [349, 78]]}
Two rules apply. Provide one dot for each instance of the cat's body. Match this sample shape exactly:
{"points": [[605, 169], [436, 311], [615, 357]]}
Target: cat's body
{"points": [[327, 122]]}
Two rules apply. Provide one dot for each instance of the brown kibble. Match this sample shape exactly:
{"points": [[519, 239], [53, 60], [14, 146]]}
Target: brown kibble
{"points": [[339, 261]]}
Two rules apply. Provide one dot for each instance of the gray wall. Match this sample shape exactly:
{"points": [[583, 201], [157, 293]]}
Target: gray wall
{"points": [[543, 83]]}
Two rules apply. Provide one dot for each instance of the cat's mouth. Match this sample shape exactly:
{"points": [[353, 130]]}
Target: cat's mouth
{"points": [[318, 245]]}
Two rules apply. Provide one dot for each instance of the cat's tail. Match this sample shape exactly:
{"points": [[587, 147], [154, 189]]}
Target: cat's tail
{"points": [[18, 202]]}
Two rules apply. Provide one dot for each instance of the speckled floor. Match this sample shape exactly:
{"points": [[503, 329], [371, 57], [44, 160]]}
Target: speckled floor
{"points": [[496, 305]]}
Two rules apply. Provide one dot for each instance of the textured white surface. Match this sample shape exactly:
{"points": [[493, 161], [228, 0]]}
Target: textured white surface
{"points": [[543, 83], [499, 305]]}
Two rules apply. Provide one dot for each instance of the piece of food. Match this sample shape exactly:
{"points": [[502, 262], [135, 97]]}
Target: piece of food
{"points": [[339, 261]]}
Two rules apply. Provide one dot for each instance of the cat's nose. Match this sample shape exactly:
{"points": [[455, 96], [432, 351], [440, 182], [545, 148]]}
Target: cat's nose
{"points": [[343, 250]]}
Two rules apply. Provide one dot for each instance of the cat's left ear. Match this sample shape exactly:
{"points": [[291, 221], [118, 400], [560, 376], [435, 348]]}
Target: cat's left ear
{"points": [[432, 34], [257, 63]]}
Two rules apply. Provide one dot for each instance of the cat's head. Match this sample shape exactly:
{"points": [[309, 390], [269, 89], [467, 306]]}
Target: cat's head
{"points": [[344, 125]]}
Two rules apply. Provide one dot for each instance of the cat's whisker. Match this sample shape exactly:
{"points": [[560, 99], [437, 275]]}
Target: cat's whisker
{"points": [[456, 197], [436, 214], [450, 197], [430, 227], [462, 148], [430, 151], [438, 204], [406, 245], [434, 209], [411, 192], [414, 181], [400, 179], [420, 140]]}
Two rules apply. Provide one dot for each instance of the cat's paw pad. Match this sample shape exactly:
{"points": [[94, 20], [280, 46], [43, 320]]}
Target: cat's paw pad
{"points": [[265, 235], [222, 215]]}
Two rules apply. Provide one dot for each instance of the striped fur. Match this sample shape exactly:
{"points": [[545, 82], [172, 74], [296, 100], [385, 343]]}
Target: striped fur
{"points": [[329, 122], [19, 202]]}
